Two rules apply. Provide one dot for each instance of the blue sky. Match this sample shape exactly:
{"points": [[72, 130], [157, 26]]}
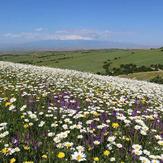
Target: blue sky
{"points": [[134, 21]]}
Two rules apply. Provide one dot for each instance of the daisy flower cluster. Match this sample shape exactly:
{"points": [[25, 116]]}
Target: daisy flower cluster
{"points": [[54, 115]]}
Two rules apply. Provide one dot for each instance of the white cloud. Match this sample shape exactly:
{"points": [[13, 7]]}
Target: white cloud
{"points": [[78, 34], [39, 29], [12, 35], [71, 37]]}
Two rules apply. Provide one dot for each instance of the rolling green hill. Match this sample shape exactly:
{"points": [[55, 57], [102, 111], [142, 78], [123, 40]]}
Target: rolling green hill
{"points": [[89, 61]]}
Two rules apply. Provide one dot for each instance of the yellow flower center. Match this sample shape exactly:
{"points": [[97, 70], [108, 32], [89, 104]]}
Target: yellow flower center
{"points": [[68, 145], [79, 157]]}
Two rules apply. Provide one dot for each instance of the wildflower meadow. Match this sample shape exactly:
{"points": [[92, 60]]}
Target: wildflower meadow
{"points": [[50, 115]]}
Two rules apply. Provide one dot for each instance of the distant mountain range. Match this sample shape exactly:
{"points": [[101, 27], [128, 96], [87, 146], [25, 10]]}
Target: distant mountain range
{"points": [[68, 45]]}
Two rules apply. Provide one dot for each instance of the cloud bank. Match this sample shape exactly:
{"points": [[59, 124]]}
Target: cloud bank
{"points": [[78, 34]]}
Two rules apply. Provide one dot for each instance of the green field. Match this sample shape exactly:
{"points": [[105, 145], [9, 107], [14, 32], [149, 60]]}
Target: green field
{"points": [[89, 61]]}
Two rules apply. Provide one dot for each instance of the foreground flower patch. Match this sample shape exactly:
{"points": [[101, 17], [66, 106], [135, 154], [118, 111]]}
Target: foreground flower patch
{"points": [[53, 115]]}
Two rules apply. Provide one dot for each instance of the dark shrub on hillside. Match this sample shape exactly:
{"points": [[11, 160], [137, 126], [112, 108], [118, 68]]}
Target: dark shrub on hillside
{"points": [[156, 67], [144, 69], [107, 68], [98, 73], [157, 79], [129, 68], [26, 62]]}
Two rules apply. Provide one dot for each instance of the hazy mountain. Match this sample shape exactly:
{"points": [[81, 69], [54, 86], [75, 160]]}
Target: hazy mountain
{"points": [[68, 44]]}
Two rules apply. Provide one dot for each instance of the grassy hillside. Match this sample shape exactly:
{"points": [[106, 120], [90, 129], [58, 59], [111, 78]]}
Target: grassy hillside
{"points": [[89, 61], [144, 75]]}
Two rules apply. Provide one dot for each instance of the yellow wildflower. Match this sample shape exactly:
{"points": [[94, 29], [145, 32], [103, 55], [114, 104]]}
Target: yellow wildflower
{"points": [[22, 116], [61, 155], [12, 160], [106, 153], [96, 159], [115, 125], [68, 145], [143, 100], [89, 148], [44, 156], [8, 104], [5, 150], [26, 125], [26, 147], [96, 114]]}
